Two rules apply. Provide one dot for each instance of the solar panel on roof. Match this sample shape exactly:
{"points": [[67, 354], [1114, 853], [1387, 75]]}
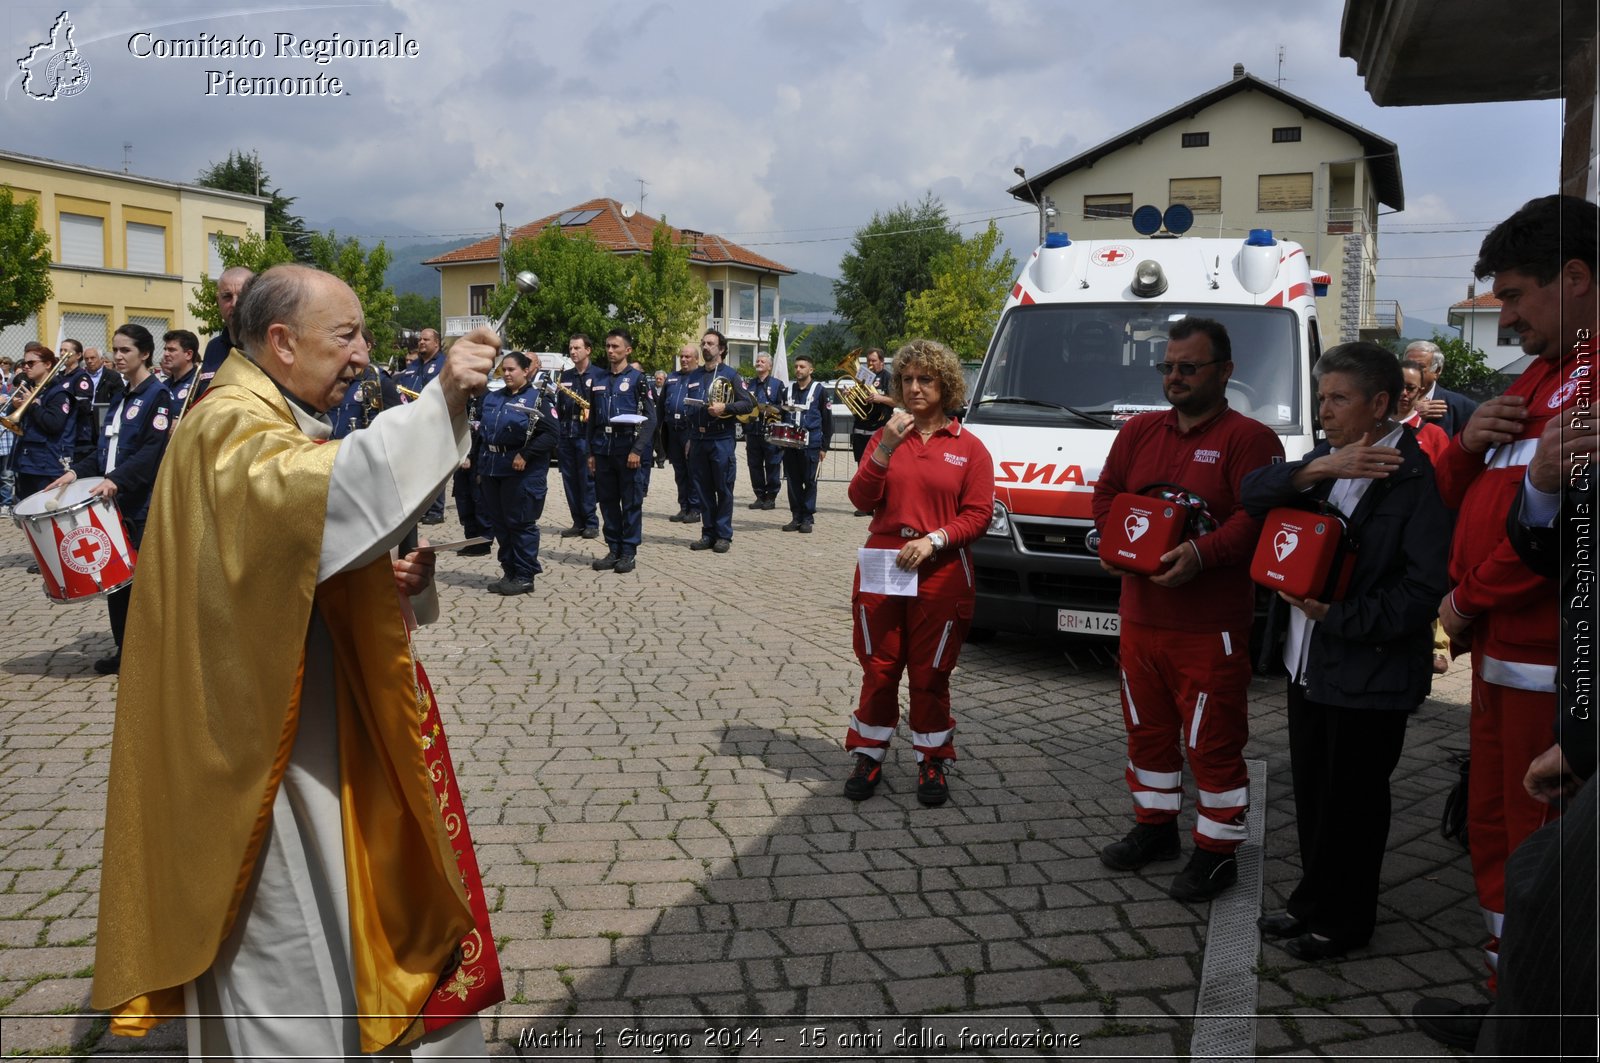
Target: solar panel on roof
{"points": [[577, 217]]}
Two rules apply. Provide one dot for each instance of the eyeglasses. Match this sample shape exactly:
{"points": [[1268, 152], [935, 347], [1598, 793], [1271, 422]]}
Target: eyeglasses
{"points": [[1183, 368], [32, 361]]}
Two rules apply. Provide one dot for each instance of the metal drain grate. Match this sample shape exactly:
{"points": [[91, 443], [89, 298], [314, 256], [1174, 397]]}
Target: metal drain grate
{"points": [[1224, 1015]]}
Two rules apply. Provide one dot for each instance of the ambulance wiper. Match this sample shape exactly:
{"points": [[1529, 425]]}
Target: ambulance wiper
{"points": [[1096, 416]]}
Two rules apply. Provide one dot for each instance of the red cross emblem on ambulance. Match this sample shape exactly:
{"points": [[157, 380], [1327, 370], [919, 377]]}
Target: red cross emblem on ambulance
{"points": [[1111, 254]]}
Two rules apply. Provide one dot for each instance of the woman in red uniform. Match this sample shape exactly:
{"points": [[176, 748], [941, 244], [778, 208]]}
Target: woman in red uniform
{"points": [[929, 485]]}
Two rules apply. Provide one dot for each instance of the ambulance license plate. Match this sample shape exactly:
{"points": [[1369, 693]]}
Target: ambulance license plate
{"points": [[1078, 622]]}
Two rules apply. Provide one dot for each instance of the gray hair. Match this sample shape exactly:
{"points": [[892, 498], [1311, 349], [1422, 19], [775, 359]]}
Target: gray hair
{"points": [[277, 297], [1435, 355], [1373, 368]]}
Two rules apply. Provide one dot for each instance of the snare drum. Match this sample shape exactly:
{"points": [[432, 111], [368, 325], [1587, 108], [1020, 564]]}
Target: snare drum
{"points": [[787, 435], [79, 541]]}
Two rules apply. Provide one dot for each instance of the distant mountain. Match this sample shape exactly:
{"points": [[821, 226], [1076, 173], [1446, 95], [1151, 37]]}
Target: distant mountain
{"points": [[1418, 329], [807, 293]]}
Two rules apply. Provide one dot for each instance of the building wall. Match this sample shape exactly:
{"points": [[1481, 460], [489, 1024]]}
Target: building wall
{"points": [[112, 293], [1239, 152], [1480, 328]]}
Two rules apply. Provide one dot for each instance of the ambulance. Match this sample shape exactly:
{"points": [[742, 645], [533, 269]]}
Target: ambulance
{"points": [[1074, 357]]}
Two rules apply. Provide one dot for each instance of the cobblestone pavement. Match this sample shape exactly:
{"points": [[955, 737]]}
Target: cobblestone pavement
{"points": [[652, 767]]}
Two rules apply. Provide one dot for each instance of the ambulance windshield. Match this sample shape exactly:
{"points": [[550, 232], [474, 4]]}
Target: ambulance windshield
{"points": [[1093, 364]]}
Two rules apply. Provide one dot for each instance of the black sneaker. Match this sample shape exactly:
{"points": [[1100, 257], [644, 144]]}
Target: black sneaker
{"points": [[1207, 875], [1450, 1022], [931, 787], [759, 503], [701, 544], [624, 565], [691, 516], [771, 503], [499, 585], [1144, 843], [609, 561], [677, 518], [430, 519], [805, 527], [518, 586], [863, 781]]}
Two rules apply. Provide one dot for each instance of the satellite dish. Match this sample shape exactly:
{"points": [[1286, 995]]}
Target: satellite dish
{"points": [[629, 210]]}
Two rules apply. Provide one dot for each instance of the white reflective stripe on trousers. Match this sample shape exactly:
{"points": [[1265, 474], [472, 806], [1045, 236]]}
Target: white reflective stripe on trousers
{"points": [[1199, 711], [1161, 780], [1127, 695], [1226, 799], [869, 732], [1155, 799], [1539, 678], [1222, 832]]}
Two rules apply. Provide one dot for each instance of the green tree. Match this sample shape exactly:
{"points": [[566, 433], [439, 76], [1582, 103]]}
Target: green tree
{"points": [[364, 271], [662, 302], [963, 304], [243, 173], [581, 285], [417, 312], [892, 256], [24, 260], [826, 346], [253, 252], [1466, 369]]}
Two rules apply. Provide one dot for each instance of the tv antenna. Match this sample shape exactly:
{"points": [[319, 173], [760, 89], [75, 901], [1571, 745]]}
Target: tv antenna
{"points": [[1280, 66], [641, 181], [127, 156]]}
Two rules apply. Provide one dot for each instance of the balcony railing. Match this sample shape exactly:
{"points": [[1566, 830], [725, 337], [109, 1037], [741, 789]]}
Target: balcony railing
{"points": [[736, 328], [1382, 320], [1347, 220], [460, 326]]}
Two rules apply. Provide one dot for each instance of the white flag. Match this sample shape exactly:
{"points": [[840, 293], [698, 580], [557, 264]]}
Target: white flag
{"points": [[780, 356]]}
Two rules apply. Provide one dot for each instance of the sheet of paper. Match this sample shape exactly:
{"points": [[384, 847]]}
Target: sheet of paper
{"points": [[476, 540], [880, 576]]}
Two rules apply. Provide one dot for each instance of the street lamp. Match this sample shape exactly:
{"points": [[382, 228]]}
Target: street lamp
{"points": [[500, 209], [1046, 205]]}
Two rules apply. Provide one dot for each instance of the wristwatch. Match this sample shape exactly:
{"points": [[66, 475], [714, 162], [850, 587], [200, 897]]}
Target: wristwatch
{"points": [[937, 538]]}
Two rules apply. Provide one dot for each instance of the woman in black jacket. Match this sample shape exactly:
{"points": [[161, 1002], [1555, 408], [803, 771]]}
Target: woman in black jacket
{"points": [[1358, 666]]}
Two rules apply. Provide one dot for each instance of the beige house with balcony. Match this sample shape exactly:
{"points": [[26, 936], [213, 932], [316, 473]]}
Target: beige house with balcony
{"points": [[742, 299], [122, 247], [1247, 155]]}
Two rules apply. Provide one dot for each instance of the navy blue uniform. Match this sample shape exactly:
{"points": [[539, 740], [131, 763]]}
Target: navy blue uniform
{"points": [[572, 454], [216, 353], [128, 454], [513, 501], [49, 430], [711, 456], [675, 431], [465, 485], [800, 466], [180, 389], [764, 459], [618, 488]]}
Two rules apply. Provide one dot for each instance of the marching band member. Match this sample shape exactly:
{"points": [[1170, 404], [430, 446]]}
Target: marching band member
{"points": [[711, 455], [765, 460], [809, 410], [128, 455], [619, 449], [573, 455], [519, 434], [49, 427], [675, 433]]}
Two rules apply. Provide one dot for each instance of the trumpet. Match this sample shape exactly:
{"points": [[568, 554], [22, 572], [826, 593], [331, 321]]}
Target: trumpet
{"points": [[852, 391], [411, 396], [12, 422], [581, 402]]}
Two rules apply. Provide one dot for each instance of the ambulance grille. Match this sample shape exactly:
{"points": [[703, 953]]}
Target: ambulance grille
{"points": [[1054, 538]]}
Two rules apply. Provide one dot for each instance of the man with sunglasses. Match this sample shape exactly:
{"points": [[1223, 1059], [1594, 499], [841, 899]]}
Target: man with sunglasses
{"points": [[1185, 631]]}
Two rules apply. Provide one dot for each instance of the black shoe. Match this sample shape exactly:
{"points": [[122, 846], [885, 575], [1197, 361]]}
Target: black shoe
{"points": [[1282, 925], [759, 503], [109, 665], [1450, 1022], [1207, 875], [701, 544], [1313, 948], [33, 570], [771, 503], [518, 586], [677, 518], [721, 546], [805, 527], [499, 585], [480, 550], [1144, 843], [568, 533], [591, 533], [932, 790], [793, 525], [691, 516], [863, 781], [624, 565], [863, 513], [432, 520], [609, 561]]}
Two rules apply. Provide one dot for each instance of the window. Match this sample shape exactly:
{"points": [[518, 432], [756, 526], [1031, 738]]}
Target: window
{"points": [[1197, 140], [88, 328], [156, 323], [1286, 134], [1117, 206], [14, 337], [1507, 338], [1203, 195], [214, 263], [83, 240], [147, 248], [1283, 191], [478, 299]]}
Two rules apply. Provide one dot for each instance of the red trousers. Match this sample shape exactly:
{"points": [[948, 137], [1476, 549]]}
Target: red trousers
{"points": [[1509, 728], [921, 637], [1185, 692]]}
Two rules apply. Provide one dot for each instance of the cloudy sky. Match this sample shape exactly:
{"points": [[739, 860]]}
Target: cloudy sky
{"points": [[783, 124]]}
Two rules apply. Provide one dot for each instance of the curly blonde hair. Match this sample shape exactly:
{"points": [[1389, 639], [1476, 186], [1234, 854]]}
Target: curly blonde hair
{"points": [[939, 360]]}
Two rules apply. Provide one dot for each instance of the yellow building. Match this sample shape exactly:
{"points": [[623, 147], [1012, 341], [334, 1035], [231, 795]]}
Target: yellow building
{"points": [[122, 248], [1247, 155], [741, 286]]}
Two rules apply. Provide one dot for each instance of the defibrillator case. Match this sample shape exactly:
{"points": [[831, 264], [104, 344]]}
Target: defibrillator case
{"points": [[1138, 530], [1305, 554]]}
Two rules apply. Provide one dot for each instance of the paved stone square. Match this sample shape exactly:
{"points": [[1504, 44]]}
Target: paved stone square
{"points": [[652, 766]]}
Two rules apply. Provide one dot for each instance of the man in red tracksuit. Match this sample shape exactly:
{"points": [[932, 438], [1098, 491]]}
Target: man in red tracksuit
{"points": [[1185, 639], [1543, 263]]}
